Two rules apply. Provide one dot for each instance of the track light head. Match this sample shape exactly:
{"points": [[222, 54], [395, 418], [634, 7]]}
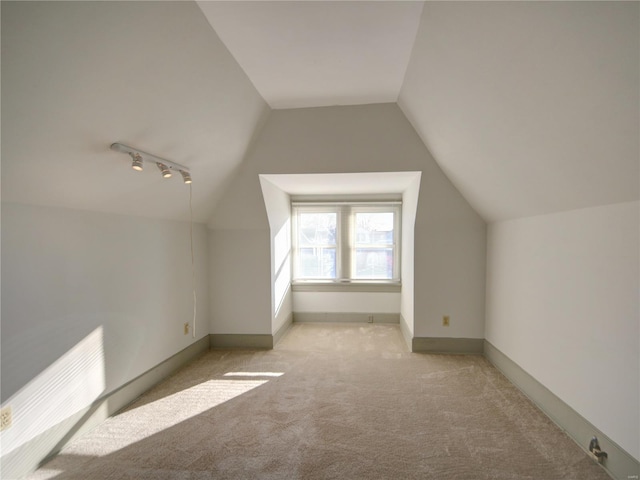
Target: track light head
{"points": [[166, 173], [136, 163], [186, 176]]}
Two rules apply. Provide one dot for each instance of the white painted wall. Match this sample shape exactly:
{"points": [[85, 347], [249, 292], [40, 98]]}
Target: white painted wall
{"points": [[409, 211], [449, 261], [563, 303], [240, 260], [278, 205], [89, 302], [240, 280], [450, 238], [346, 302]]}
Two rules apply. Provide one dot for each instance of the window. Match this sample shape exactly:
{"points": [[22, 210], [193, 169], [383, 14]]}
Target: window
{"points": [[346, 242]]}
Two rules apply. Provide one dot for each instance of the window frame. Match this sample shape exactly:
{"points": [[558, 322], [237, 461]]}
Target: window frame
{"points": [[346, 235]]}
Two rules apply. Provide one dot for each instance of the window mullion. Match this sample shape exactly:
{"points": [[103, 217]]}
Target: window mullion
{"points": [[345, 243]]}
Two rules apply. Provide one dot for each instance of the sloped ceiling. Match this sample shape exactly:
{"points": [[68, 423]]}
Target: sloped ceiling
{"points": [[79, 76], [528, 107]]}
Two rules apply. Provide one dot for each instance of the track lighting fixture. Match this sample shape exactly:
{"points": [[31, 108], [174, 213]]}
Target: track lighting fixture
{"points": [[165, 166], [136, 164], [166, 173], [185, 176]]}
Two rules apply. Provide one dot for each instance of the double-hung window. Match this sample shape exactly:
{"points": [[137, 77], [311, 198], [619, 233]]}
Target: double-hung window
{"points": [[347, 242]]}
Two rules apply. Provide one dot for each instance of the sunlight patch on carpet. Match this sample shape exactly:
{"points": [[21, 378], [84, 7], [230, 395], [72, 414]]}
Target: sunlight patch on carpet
{"points": [[151, 418], [45, 474]]}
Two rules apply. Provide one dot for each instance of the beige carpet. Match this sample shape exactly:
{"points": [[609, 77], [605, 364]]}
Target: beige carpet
{"points": [[330, 402]]}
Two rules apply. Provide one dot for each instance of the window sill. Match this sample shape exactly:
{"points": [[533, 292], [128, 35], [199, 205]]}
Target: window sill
{"points": [[319, 286]]}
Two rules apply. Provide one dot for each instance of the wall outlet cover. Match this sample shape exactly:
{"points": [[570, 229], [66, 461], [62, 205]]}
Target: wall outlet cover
{"points": [[5, 418]]}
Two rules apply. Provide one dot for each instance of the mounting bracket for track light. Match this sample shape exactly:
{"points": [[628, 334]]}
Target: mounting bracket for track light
{"points": [[140, 155]]}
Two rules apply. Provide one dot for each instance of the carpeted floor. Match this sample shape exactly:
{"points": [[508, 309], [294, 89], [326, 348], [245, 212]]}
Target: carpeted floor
{"points": [[329, 402]]}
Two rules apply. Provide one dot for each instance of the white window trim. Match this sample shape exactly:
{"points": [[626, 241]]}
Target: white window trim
{"points": [[346, 212]]}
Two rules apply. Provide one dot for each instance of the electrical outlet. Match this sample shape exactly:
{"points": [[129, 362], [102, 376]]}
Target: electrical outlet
{"points": [[445, 321], [186, 328], [5, 418]]}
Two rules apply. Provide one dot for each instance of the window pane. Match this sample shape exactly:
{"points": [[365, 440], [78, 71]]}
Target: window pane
{"points": [[374, 263], [317, 229], [374, 228], [318, 262]]}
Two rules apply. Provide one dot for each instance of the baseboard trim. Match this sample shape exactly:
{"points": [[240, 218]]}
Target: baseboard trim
{"points": [[136, 387], [467, 346], [238, 341], [29, 456], [406, 333], [284, 328], [620, 464], [345, 317]]}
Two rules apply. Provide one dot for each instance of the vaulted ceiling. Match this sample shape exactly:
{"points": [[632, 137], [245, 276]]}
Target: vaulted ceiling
{"points": [[528, 107], [309, 54]]}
